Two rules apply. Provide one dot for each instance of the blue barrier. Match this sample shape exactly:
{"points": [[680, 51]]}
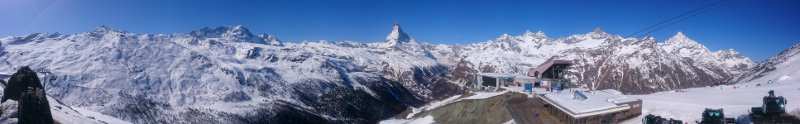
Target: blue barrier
{"points": [[529, 87]]}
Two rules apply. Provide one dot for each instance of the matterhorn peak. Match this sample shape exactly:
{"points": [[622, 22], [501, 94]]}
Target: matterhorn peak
{"points": [[397, 36]]}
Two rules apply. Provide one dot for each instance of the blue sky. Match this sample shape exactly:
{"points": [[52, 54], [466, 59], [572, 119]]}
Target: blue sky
{"points": [[757, 28]]}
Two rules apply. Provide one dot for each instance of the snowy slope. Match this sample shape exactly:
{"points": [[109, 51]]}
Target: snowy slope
{"points": [[61, 113], [769, 65], [689, 105]]}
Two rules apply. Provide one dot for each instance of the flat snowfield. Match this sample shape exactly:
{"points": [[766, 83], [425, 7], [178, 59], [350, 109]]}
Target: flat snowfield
{"points": [[689, 105]]}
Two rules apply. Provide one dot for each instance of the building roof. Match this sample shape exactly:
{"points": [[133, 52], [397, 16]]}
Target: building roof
{"points": [[519, 76], [596, 102], [506, 75], [496, 75], [546, 65]]}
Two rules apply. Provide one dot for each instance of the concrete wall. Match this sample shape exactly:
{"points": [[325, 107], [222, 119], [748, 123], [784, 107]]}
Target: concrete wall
{"points": [[635, 109]]}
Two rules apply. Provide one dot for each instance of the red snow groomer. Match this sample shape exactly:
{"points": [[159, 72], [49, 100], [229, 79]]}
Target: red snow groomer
{"points": [[772, 111]]}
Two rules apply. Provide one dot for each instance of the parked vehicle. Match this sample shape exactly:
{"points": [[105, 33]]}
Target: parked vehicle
{"points": [[773, 110], [653, 119]]}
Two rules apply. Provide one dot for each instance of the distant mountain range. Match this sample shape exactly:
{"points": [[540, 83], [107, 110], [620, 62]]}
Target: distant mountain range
{"points": [[604, 61], [229, 75]]}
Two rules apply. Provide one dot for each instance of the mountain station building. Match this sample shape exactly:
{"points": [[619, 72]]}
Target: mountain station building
{"points": [[590, 107], [549, 75], [491, 81]]}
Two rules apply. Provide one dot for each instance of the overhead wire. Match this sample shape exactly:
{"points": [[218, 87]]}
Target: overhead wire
{"points": [[687, 17], [681, 15]]}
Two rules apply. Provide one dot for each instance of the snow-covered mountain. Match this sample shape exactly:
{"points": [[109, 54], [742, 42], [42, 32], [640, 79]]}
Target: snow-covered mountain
{"points": [[397, 37], [606, 61], [730, 60], [227, 74], [687, 104], [768, 66], [778, 73]]}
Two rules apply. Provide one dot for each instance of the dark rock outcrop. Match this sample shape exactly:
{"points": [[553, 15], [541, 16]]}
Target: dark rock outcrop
{"points": [[34, 108], [19, 82], [25, 87]]}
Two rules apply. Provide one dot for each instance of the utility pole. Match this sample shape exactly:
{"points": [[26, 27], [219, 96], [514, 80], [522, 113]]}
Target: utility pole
{"points": [[46, 79]]}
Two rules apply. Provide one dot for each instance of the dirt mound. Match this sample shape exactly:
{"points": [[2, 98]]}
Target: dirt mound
{"points": [[478, 111]]}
